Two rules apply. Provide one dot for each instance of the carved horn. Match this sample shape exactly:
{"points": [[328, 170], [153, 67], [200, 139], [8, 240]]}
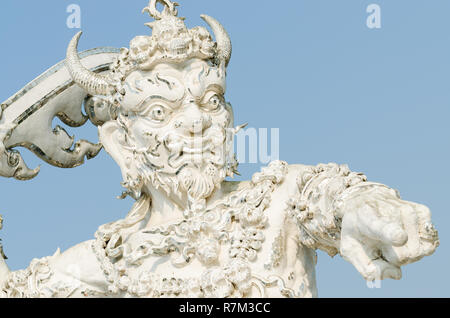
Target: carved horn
{"points": [[94, 84], [222, 38]]}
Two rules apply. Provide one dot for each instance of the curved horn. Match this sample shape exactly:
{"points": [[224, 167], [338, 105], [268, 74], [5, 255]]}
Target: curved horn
{"points": [[223, 39], [93, 83]]}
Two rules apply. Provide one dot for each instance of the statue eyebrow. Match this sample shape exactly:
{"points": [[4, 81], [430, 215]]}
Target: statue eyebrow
{"points": [[157, 78], [158, 97], [154, 97]]}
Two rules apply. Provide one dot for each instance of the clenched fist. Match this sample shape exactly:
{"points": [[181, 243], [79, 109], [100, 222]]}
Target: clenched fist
{"points": [[381, 233]]}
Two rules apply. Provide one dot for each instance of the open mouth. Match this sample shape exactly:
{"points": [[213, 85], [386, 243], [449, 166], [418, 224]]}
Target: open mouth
{"points": [[191, 155], [196, 150], [182, 144]]}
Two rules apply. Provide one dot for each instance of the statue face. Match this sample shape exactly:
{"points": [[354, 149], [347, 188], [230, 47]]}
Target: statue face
{"points": [[176, 123]]}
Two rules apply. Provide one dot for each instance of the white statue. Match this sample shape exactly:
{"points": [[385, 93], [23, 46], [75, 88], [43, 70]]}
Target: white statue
{"points": [[162, 116]]}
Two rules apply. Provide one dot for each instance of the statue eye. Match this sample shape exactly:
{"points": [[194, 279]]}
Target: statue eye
{"points": [[158, 113], [214, 103]]}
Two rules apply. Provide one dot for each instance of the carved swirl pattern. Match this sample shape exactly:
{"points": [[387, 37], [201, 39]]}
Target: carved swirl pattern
{"points": [[238, 220], [35, 282], [316, 209]]}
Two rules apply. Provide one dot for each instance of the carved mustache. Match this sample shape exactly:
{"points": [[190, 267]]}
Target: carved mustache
{"points": [[184, 150]]}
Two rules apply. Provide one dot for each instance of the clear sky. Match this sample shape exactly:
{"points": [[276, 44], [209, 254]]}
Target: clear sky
{"points": [[376, 99]]}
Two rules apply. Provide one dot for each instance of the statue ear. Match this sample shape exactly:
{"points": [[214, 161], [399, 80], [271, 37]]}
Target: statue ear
{"points": [[110, 135]]}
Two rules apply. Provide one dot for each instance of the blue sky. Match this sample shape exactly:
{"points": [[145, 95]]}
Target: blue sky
{"points": [[338, 91]]}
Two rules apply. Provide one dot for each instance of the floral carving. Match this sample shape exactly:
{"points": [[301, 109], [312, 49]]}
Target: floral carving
{"points": [[201, 236], [33, 282]]}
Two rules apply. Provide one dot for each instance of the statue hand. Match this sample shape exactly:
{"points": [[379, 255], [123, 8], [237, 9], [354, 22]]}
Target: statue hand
{"points": [[381, 233]]}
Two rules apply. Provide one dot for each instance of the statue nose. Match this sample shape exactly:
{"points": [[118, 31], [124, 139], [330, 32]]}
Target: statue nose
{"points": [[196, 121]]}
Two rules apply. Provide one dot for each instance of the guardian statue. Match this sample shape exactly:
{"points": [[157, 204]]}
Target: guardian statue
{"points": [[161, 114]]}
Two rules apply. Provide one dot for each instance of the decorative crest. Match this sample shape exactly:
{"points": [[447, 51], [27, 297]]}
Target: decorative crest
{"points": [[171, 42], [169, 9]]}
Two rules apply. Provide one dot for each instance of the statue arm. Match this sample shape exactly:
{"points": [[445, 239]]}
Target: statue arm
{"points": [[85, 270], [340, 212], [75, 273]]}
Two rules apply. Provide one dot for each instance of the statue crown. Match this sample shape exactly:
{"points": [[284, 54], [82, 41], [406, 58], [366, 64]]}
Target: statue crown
{"points": [[171, 40]]}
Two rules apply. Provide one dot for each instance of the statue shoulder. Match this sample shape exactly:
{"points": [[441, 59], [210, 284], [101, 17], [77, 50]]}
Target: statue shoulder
{"points": [[79, 262], [282, 175], [278, 180], [279, 172], [64, 275], [294, 171], [282, 180], [289, 187]]}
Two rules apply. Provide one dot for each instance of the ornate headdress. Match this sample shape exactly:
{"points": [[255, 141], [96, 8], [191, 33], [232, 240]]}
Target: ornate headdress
{"points": [[171, 41]]}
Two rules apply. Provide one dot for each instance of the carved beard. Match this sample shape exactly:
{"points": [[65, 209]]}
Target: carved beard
{"points": [[198, 178], [198, 184]]}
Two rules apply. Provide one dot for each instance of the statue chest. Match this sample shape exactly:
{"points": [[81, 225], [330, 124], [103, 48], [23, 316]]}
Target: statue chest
{"points": [[242, 246], [218, 254], [250, 262]]}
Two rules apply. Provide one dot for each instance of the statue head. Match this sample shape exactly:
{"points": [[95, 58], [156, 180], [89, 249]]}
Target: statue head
{"points": [[161, 109]]}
